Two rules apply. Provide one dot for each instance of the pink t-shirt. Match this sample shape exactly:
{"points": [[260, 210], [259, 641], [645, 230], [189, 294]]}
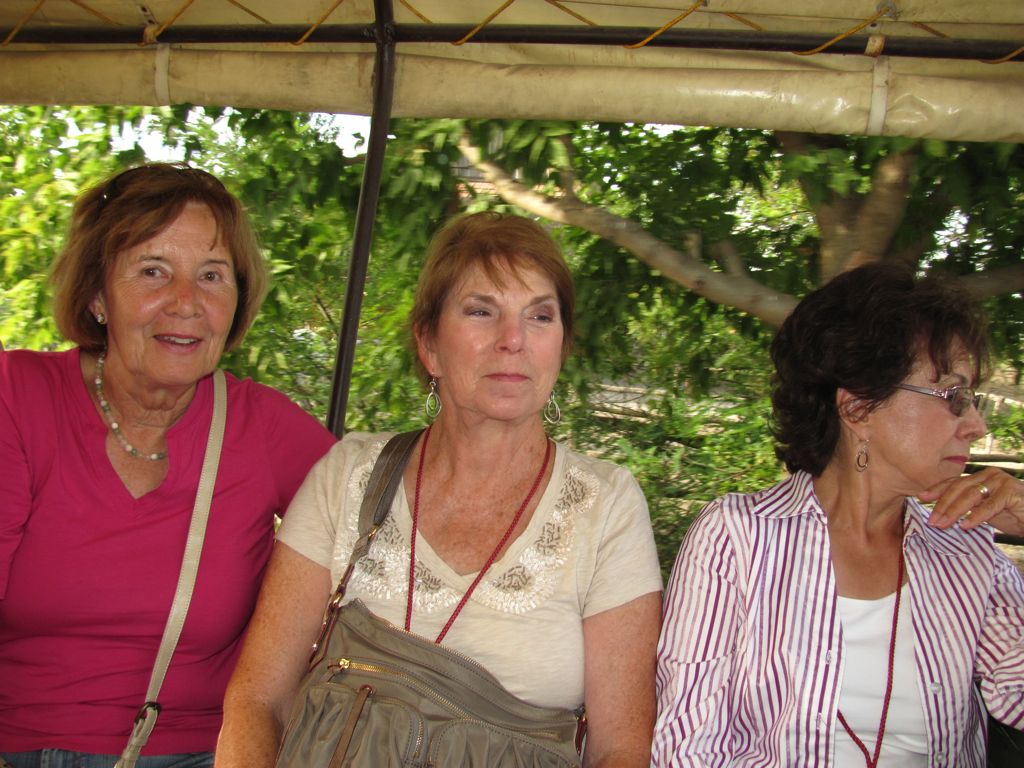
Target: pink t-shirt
{"points": [[87, 573]]}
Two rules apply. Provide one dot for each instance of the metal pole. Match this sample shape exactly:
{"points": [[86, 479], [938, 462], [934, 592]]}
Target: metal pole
{"points": [[518, 34], [366, 212]]}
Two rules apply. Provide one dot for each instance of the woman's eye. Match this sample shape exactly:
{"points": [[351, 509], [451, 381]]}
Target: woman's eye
{"points": [[150, 271], [211, 277]]}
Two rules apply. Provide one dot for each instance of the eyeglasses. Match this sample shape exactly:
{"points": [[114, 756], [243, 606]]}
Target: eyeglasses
{"points": [[959, 398]]}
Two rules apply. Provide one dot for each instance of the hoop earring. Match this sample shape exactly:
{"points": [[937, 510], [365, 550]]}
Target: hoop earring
{"points": [[432, 405], [552, 413], [861, 459]]}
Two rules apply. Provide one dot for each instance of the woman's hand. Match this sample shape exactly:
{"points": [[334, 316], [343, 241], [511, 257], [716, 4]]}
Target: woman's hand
{"points": [[990, 496]]}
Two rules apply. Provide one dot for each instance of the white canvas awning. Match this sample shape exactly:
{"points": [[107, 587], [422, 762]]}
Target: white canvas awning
{"points": [[925, 68]]}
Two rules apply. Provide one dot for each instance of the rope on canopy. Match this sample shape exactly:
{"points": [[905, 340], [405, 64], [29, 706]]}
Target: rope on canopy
{"points": [[318, 22], [23, 22], [486, 31], [885, 10]]}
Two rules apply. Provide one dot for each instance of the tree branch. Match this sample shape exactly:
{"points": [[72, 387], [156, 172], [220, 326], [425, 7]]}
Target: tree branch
{"points": [[856, 229], [326, 311], [995, 282], [860, 230], [726, 255], [882, 209], [737, 290], [566, 175], [835, 215]]}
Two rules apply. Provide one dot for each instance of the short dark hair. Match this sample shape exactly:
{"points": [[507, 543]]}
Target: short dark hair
{"points": [[492, 240], [863, 331], [130, 208]]}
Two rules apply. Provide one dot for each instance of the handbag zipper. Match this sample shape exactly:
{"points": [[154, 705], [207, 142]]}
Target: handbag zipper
{"points": [[468, 661], [341, 749], [344, 664]]}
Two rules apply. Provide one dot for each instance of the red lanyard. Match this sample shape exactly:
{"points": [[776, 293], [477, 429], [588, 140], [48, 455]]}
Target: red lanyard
{"points": [[494, 554], [872, 761]]}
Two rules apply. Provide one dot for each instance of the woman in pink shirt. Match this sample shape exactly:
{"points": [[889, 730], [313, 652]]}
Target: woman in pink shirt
{"points": [[101, 448]]}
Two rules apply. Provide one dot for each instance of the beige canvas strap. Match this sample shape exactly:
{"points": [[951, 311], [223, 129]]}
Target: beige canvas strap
{"points": [[146, 718]]}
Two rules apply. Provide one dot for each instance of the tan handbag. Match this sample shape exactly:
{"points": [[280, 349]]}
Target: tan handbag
{"points": [[376, 695]]}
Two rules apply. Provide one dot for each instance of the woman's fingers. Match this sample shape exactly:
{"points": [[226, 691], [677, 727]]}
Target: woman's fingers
{"points": [[990, 496]]}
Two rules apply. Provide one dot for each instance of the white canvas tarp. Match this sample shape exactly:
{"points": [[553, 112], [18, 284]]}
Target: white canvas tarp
{"points": [[215, 52]]}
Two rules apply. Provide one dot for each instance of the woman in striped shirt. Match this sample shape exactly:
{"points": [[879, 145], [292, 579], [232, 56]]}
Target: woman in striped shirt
{"points": [[833, 620]]}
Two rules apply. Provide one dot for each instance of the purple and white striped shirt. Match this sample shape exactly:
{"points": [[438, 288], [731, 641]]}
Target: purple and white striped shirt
{"points": [[750, 661]]}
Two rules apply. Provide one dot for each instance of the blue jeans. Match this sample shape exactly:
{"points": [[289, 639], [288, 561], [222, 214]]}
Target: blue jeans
{"points": [[61, 758]]}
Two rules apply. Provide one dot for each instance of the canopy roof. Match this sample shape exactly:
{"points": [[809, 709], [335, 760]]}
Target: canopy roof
{"points": [[945, 69], [925, 68]]}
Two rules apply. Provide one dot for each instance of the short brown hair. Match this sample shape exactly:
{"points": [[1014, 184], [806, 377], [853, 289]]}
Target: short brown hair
{"points": [[863, 332], [491, 240], [130, 208]]}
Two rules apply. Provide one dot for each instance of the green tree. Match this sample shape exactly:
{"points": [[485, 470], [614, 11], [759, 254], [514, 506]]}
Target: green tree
{"points": [[688, 245], [733, 227]]}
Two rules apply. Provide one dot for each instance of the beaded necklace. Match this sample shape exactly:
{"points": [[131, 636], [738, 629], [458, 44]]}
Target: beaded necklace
{"points": [[490, 560], [109, 416]]}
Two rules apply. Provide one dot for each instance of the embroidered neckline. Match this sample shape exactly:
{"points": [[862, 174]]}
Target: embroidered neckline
{"points": [[524, 577]]}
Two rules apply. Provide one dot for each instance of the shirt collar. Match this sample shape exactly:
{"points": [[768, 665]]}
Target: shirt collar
{"points": [[792, 497], [951, 542], [795, 496]]}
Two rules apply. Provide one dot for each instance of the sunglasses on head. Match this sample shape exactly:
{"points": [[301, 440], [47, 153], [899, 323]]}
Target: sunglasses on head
{"points": [[119, 183]]}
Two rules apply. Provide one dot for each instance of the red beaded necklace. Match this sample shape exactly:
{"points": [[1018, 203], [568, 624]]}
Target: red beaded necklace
{"points": [[493, 555], [872, 760]]}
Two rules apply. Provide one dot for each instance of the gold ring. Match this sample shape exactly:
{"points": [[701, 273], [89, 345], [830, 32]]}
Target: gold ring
{"points": [[984, 491]]}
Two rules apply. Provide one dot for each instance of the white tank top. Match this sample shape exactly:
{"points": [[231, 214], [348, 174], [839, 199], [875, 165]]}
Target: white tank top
{"points": [[867, 625]]}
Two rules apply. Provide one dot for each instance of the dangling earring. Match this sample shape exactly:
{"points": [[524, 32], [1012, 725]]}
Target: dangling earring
{"points": [[101, 318], [432, 405], [552, 413], [861, 459]]}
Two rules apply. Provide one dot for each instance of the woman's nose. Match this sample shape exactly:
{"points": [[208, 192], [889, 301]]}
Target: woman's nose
{"points": [[973, 423], [185, 296], [510, 334]]}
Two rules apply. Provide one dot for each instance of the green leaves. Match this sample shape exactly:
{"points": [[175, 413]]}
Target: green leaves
{"points": [[1006, 426], [662, 380]]}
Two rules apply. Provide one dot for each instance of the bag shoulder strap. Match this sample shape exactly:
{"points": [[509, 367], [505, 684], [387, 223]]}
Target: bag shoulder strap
{"points": [[376, 505], [145, 720], [384, 479], [377, 498], [380, 492]]}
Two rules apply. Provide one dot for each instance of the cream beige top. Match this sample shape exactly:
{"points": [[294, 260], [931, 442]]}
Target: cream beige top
{"points": [[588, 548]]}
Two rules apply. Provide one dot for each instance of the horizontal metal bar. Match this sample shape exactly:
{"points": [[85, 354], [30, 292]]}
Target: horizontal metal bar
{"points": [[1005, 538], [908, 47]]}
